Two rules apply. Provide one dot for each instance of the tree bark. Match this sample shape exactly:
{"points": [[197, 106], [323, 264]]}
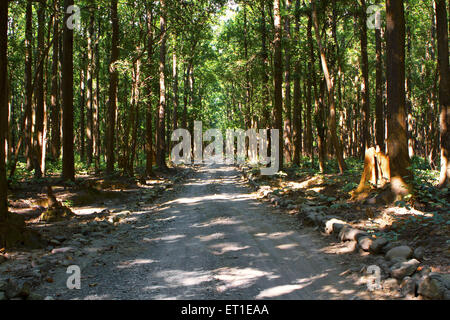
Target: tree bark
{"points": [[330, 89], [89, 92], [278, 78], [175, 86], [444, 90], [287, 93], [3, 107], [297, 116], [160, 131], [365, 74], [113, 82], [148, 127], [68, 172], [28, 102], [39, 125], [379, 106], [397, 132], [54, 101]]}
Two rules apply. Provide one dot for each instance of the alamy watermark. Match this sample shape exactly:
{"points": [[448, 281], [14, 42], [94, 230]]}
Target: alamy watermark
{"points": [[374, 282], [74, 20], [374, 16], [74, 280], [235, 153]]}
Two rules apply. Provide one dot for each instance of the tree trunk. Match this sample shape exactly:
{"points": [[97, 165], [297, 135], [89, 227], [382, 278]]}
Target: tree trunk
{"points": [[3, 107], [82, 111], [365, 74], [312, 89], [148, 127], [96, 143], [160, 131], [330, 89], [397, 132], [89, 92], [54, 101], [379, 106], [444, 90], [297, 116], [278, 78], [39, 125], [113, 82], [68, 172], [28, 102], [287, 93], [175, 86], [265, 64]]}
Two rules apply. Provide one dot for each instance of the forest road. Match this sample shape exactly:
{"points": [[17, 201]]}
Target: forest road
{"points": [[214, 240]]}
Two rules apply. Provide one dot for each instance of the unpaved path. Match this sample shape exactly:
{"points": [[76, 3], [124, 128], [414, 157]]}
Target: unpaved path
{"points": [[212, 241]]}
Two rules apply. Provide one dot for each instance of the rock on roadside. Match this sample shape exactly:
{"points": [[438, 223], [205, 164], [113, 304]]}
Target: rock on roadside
{"points": [[404, 252], [435, 286], [403, 269]]}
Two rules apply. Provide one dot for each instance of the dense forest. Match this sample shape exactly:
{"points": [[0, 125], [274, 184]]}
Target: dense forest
{"points": [[98, 88], [92, 90]]}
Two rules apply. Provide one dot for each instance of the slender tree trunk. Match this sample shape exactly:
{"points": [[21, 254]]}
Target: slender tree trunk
{"points": [[68, 172], [135, 122], [330, 89], [149, 135], [278, 78], [39, 125], [3, 107], [265, 64], [297, 116], [175, 86], [379, 106], [89, 92], [113, 82], [28, 83], [287, 93], [185, 95], [54, 101], [160, 132], [96, 101], [397, 132], [247, 115], [365, 74], [82, 131], [312, 89], [444, 90]]}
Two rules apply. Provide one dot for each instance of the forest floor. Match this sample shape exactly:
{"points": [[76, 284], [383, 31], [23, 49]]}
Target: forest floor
{"points": [[202, 233], [422, 222]]}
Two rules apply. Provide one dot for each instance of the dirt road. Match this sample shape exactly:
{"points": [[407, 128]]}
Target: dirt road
{"points": [[212, 241]]}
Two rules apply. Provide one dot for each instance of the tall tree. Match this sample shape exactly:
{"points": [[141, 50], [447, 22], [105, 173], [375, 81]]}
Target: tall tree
{"points": [[90, 91], [278, 78], [54, 99], [3, 107], [175, 85], [160, 130], [444, 89], [68, 172], [297, 115], [149, 111], [330, 89], [39, 164], [379, 106], [287, 80], [397, 142], [28, 123], [365, 75], [112, 97]]}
